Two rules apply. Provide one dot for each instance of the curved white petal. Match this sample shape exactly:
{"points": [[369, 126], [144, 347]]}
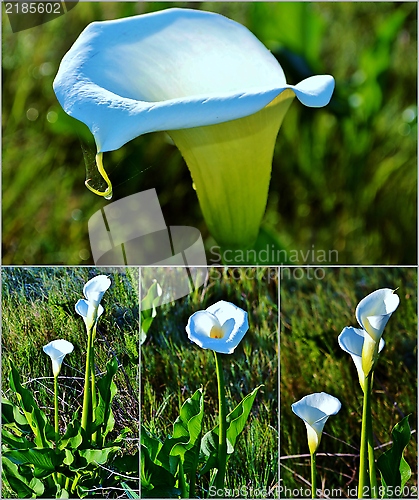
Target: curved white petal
{"points": [[351, 340], [57, 350], [171, 70], [374, 311], [94, 289], [220, 327], [82, 307], [315, 409]]}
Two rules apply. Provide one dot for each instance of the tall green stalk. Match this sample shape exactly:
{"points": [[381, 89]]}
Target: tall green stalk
{"points": [[371, 459], [363, 486], [87, 388], [56, 428], [181, 480], [96, 436], [313, 475], [222, 425]]}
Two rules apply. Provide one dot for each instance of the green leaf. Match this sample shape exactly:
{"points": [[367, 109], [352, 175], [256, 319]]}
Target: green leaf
{"points": [[393, 468], [34, 416], [45, 461], [72, 438], [15, 442], [93, 457], [148, 309], [186, 434], [11, 416], [152, 444], [236, 421], [156, 481], [19, 484], [104, 418]]}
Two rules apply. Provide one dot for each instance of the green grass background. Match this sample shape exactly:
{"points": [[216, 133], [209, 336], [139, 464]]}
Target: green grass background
{"points": [[313, 314], [344, 177], [38, 307], [173, 368]]}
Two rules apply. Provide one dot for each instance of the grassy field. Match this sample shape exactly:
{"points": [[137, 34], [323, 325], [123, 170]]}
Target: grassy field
{"points": [[313, 314], [38, 306], [341, 175], [173, 369]]}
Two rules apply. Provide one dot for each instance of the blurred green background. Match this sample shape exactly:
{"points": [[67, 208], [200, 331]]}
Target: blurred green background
{"points": [[313, 314], [344, 177], [173, 368]]}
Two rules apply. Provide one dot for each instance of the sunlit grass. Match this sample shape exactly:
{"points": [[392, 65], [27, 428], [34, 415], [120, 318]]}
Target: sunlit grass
{"points": [[173, 368], [38, 307]]}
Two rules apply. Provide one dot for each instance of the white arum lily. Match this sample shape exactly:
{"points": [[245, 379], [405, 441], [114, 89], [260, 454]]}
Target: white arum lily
{"points": [[207, 81], [351, 340], [314, 410], [57, 350], [220, 327], [82, 308], [90, 308], [373, 313]]}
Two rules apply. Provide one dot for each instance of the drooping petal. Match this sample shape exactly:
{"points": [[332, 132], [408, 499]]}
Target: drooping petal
{"points": [[94, 289], [351, 340], [314, 410], [374, 311], [57, 350], [220, 327]]}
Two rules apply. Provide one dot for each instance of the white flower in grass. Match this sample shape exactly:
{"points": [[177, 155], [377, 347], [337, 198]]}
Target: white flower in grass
{"points": [[373, 313], [90, 309], [57, 350], [207, 81], [220, 327], [314, 410], [82, 308], [94, 289], [351, 340]]}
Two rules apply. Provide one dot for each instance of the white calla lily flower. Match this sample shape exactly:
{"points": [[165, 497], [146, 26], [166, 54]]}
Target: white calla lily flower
{"points": [[94, 289], [82, 308], [57, 350], [351, 340], [206, 80], [373, 313], [314, 410], [90, 309], [220, 327]]}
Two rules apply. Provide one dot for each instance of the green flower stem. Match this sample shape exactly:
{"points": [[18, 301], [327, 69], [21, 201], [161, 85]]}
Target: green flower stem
{"points": [[313, 475], [192, 482], [371, 459], [181, 481], [222, 425], [363, 485], [57, 475], [95, 436], [56, 428], [87, 389]]}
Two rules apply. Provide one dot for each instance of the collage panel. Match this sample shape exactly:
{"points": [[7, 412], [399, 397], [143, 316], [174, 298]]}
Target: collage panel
{"points": [[70, 382], [348, 382], [209, 420], [276, 132]]}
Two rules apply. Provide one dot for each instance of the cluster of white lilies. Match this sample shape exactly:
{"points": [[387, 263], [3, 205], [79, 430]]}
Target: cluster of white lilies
{"points": [[364, 346], [90, 310]]}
